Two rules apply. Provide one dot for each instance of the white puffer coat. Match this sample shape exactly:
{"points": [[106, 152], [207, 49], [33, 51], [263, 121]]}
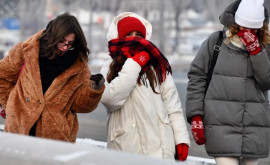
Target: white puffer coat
{"points": [[141, 121]]}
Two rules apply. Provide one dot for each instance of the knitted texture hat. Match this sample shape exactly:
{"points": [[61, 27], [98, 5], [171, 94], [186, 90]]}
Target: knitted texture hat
{"points": [[129, 24], [250, 14]]}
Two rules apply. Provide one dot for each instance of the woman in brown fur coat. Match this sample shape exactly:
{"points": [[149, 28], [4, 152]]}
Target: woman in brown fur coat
{"points": [[45, 81]]}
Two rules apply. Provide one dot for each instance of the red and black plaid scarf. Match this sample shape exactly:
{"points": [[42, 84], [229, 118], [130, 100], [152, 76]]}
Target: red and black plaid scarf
{"points": [[135, 45]]}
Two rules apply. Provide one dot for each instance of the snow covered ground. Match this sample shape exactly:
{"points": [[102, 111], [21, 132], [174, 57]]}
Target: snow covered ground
{"points": [[191, 160]]}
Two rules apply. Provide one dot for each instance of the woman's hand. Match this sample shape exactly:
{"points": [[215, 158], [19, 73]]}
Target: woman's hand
{"points": [[98, 81], [2, 112], [250, 40], [197, 129], [182, 151], [141, 58]]}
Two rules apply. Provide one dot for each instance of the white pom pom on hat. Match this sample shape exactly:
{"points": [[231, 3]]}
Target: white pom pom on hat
{"points": [[250, 14]]}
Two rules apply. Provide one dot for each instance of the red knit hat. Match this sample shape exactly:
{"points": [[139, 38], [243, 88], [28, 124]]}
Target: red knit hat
{"points": [[129, 24]]}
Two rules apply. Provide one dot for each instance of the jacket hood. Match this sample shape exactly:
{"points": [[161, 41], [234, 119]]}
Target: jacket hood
{"points": [[227, 17], [113, 32]]}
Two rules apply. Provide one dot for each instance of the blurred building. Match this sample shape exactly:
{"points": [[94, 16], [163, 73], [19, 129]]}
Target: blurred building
{"points": [[179, 26]]}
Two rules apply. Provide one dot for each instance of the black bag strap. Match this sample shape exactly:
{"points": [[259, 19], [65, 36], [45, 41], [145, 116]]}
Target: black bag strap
{"points": [[215, 56]]}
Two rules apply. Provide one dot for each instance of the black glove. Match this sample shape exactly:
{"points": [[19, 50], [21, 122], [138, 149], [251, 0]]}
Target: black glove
{"points": [[98, 81]]}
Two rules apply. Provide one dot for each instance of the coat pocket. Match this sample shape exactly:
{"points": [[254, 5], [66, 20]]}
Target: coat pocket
{"points": [[125, 138], [117, 133]]}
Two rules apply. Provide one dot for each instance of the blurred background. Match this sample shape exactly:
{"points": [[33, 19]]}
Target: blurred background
{"points": [[179, 26]]}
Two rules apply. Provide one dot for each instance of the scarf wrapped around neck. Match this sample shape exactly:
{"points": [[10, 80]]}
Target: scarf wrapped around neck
{"points": [[134, 45]]}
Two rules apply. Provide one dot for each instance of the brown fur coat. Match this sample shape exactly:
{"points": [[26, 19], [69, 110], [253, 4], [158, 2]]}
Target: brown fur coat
{"points": [[55, 111]]}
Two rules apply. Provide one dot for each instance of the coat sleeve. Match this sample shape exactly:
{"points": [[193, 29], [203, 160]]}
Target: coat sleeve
{"points": [[9, 69], [118, 90], [197, 76], [86, 99], [174, 109], [261, 66]]}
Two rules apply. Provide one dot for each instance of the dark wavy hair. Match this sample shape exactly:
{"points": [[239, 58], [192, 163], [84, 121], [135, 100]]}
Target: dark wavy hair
{"points": [[263, 34], [56, 30], [119, 61]]}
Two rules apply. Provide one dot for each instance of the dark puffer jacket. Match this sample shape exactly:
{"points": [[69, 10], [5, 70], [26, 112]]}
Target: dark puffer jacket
{"points": [[235, 108]]}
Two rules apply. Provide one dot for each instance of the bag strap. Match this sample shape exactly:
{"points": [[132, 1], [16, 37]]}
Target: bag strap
{"points": [[215, 56]]}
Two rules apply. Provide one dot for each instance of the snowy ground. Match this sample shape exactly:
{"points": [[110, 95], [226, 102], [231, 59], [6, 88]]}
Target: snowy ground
{"points": [[1, 127], [191, 160]]}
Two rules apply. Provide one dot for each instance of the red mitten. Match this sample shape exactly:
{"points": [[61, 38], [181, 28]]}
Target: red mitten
{"points": [[197, 129], [182, 151], [250, 40], [141, 58], [3, 113]]}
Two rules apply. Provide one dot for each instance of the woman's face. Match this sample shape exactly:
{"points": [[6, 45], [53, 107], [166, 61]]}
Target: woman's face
{"points": [[66, 43], [134, 34], [247, 29]]}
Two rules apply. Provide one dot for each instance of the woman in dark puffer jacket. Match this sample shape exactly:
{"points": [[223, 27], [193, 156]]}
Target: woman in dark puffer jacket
{"points": [[232, 118]]}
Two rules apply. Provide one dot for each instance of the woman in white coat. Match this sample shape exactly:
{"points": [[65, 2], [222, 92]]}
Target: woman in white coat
{"points": [[145, 113]]}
